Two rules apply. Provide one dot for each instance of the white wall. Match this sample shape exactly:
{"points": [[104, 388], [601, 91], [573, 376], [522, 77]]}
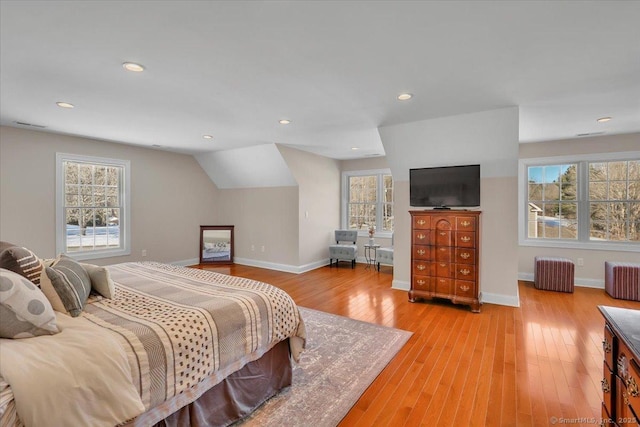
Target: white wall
{"points": [[318, 213], [592, 272], [171, 196], [263, 218], [489, 138]]}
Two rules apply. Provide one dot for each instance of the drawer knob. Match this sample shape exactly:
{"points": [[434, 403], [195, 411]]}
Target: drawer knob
{"points": [[421, 222], [421, 236], [465, 223], [465, 255], [443, 249], [465, 271], [606, 346], [421, 267], [465, 238], [442, 280], [464, 288], [443, 233], [420, 282], [606, 388], [443, 265], [421, 251]]}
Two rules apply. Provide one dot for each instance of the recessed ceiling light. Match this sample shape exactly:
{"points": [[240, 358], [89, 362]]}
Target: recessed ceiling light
{"points": [[64, 105], [132, 66], [404, 96], [603, 119], [207, 136], [284, 121]]}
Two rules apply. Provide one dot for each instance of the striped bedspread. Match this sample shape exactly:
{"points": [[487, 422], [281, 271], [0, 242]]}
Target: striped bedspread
{"points": [[183, 327]]}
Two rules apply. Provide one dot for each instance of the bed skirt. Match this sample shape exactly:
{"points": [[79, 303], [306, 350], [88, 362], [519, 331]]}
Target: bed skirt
{"points": [[239, 394]]}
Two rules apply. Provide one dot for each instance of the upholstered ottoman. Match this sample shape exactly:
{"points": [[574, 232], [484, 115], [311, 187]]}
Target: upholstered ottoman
{"points": [[553, 274], [622, 280]]}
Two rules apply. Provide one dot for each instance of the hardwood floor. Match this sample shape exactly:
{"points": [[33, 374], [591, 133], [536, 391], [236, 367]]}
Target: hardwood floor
{"points": [[503, 367]]}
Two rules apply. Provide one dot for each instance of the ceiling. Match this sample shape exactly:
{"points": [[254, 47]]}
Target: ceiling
{"points": [[234, 69]]}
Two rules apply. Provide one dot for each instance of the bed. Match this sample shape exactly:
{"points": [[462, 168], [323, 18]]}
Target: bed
{"points": [[173, 346]]}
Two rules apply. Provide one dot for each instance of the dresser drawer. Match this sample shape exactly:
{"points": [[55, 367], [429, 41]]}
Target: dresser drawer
{"points": [[465, 272], [465, 239], [442, 286], [465, 288], [422, 252], [608, 383], [444, 254], [466, 223], [633, 387], [443, 237], [422, 237], [422, 283], [422, 222], [608, 347], [444, 269], [423, 268], [465, 256]]}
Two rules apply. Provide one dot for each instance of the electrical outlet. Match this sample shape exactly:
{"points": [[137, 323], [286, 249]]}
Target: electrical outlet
{"points": [[144, 253], [253, 248], [580, 262], [262, 248]]}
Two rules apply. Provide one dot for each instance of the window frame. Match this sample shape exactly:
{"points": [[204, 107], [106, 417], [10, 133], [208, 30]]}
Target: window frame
{"points": [[125, 197], [344, 209], [582, 242]]}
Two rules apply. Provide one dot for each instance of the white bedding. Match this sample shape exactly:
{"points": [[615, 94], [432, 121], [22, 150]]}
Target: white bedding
{"points": [[61, 375]]}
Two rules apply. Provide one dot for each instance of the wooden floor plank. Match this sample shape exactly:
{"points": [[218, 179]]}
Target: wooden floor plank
{"points": [[506, 366]]}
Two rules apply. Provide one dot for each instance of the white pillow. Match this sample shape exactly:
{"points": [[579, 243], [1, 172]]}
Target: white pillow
{"points": [[25, 311], [100, 280]]}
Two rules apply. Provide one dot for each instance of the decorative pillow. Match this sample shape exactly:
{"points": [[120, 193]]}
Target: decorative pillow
{"points": [[100, 280], [24, 310], [67, 285], [22, 261]]}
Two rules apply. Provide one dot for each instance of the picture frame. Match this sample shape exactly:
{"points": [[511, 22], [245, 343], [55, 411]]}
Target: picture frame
{"points": [[216, 244]]}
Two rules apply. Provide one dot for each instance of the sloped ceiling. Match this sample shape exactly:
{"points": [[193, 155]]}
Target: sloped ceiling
{"points": [[249, 167]]}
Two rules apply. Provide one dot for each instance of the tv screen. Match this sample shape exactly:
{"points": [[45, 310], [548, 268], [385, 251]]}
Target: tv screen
{"points": [[449, 186]]}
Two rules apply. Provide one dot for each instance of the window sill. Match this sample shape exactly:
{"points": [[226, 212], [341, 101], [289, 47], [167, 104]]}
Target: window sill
{"points": [[83, 256], [599, 246]]}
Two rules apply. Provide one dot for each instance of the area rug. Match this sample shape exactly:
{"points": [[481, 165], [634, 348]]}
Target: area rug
{"points": [[342, 358]]}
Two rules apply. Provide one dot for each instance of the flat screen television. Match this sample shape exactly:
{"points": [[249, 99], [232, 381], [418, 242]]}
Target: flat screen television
{"points": [[445, 187]]}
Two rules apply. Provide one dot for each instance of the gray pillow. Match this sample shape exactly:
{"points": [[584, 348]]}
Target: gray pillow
{"points": [[22, 261], [25, 312], [67, 285]]}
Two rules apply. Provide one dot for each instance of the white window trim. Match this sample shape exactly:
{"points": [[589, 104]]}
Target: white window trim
{"points": [[125, 220], [345, 201], [523, 240]]}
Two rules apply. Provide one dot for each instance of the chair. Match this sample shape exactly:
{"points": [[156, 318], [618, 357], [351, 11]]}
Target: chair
{"points": [[344, 251], [385, 255]]}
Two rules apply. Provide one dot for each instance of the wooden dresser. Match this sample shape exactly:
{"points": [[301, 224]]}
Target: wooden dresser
{"points": [[445, 255], [621, 370]]}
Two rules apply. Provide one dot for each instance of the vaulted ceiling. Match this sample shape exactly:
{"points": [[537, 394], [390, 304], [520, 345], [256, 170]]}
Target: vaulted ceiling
{"points": [[232, 70]]}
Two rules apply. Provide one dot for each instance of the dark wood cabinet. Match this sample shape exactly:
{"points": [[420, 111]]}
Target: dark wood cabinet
{"points": [[445, 254], [621, 367]]}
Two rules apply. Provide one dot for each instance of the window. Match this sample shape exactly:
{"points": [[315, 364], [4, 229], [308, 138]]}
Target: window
{"points": [[92, 206], [585, 202], [368, 200]]}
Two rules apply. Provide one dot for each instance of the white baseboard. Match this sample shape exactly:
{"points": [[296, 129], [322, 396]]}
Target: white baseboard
{"points": [[500, 299], [186, 262], [401, 285], [582, 282], [297, 269]]}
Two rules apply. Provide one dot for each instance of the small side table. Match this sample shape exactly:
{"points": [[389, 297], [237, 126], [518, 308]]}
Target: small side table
{"points": [[371, 260]]}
